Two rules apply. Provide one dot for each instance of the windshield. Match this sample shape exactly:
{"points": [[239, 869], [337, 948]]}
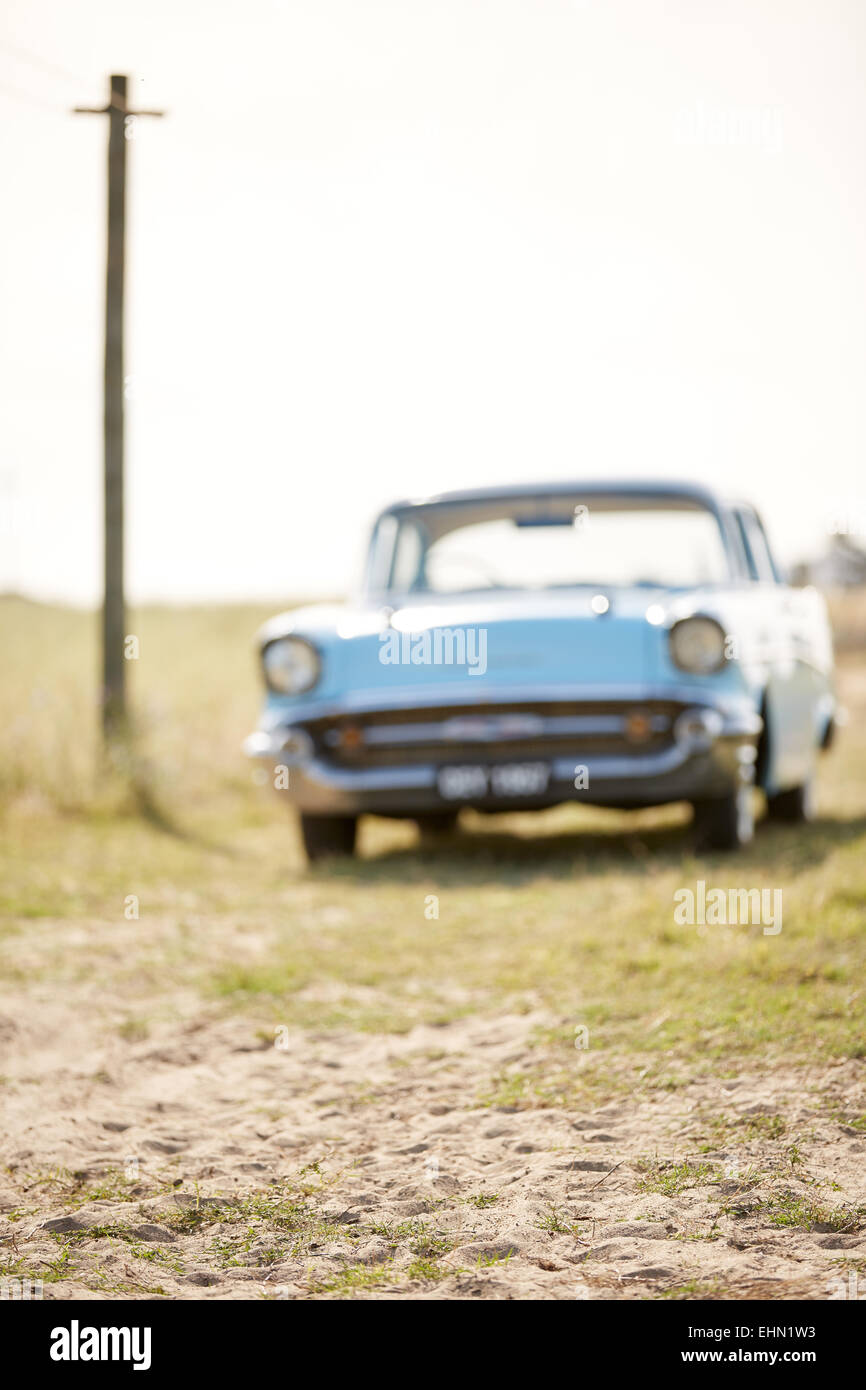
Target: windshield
{"points": [[548, 544]]}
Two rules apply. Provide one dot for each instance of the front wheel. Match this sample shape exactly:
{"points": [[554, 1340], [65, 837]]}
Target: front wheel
{"points": [[795, 806], [727, 822], [328, 835]]}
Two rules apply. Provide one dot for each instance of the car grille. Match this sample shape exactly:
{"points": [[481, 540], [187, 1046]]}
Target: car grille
{"points": [[491, 732]]}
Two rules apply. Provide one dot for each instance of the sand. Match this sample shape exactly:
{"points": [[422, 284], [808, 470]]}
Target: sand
{"points": [[181, 1140]]}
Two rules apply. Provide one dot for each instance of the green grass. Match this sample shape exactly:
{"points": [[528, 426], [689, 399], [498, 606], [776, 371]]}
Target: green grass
{"points": [[60, 1268], [695, 1290], [429, 1270], [280, 1220], [558, 1221], [763, 1127], [670, 1178], [491, 1261], [76, 1189], [416, 1235], [116, 1233], [570, 912], [355, 1279], [803, 1213]]}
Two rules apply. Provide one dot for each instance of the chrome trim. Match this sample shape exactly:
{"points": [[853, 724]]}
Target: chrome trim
{"points": [[600, 769], [325, 775], [370, 779], [494, 728], [698, 728], [461, 697], [291, 746]]}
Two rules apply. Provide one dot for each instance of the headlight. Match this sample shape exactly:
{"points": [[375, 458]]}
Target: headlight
{"points": [[291, 665], [697, 645]]}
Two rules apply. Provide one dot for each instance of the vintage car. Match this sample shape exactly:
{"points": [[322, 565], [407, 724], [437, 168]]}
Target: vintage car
{"points": [[619, 643]]}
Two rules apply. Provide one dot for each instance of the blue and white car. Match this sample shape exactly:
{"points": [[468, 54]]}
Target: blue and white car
{"points": [[623, 644]]}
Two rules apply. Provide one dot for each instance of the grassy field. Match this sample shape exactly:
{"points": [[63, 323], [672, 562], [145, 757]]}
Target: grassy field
{"points": [[174, 890], [570, 910]]}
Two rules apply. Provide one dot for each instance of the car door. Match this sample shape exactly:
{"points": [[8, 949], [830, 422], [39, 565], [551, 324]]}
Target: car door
{"points": [[783, 634]]}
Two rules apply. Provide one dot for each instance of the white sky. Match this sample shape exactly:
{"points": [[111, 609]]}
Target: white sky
{"points": [[384, 247]]}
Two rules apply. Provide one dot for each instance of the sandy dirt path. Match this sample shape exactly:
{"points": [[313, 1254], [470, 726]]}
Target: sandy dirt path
{"points": [[206, 1162]]}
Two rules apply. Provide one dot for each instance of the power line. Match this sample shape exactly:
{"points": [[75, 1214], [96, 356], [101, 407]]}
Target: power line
{"points": [[30, 99], [34, 59]]}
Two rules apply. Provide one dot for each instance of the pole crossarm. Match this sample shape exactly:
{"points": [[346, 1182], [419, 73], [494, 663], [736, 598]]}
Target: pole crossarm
{"points": [[116, 102], [112, 106]]}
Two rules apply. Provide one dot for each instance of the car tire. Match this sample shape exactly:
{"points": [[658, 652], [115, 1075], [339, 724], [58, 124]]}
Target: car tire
{"points": [[436, 824], [796, 806], [727, 822], [326, 836]]}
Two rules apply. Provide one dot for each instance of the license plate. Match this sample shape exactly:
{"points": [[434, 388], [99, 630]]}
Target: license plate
{"points": [[473, 781]]}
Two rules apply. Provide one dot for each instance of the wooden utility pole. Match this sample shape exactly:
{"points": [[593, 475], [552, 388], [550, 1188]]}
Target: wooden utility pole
{"points": [[114, 605]]}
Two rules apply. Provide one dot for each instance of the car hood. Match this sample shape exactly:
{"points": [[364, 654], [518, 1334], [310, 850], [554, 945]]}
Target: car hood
{"points": [[480, 643]]}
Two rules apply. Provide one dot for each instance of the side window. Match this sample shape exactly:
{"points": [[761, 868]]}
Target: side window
{"points": [[747, 549], [761, 567], [774, 568], [407, 559], [381, 554]]}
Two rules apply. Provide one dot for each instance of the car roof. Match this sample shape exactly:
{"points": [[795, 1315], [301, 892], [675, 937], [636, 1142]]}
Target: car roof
{"points": [[649, 489]]}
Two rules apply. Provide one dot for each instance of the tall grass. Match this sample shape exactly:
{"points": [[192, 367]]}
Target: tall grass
{"points": [[194, 692]]}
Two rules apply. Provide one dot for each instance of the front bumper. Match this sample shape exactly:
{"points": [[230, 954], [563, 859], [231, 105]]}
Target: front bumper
{"points": [[709, 754]]}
